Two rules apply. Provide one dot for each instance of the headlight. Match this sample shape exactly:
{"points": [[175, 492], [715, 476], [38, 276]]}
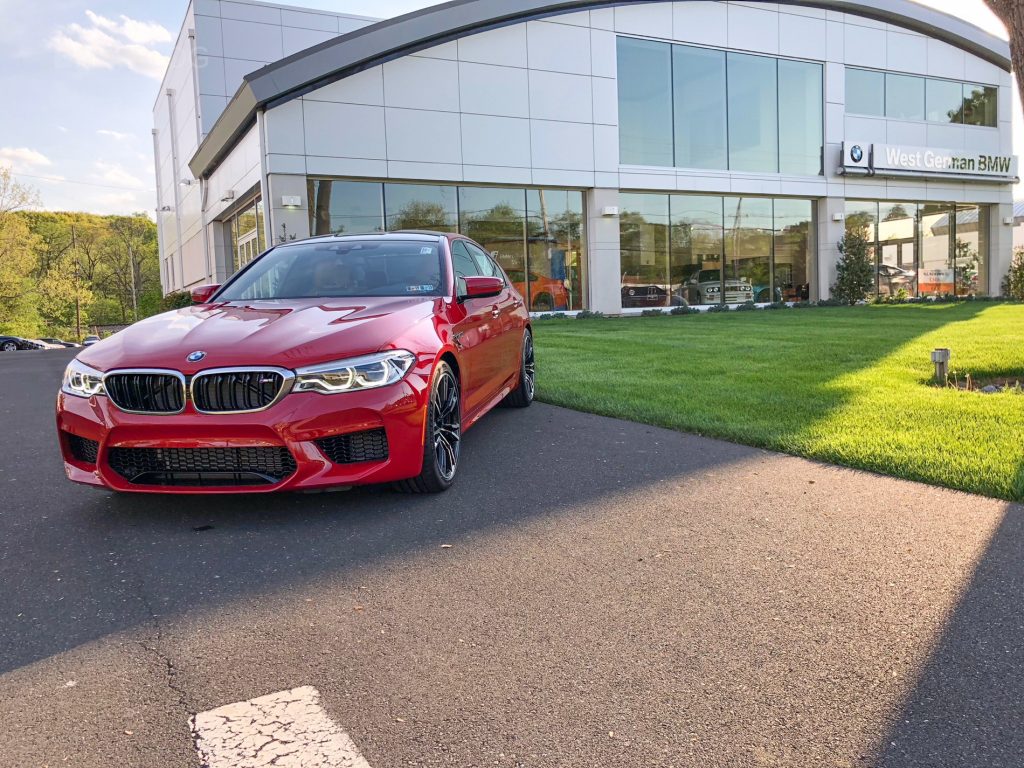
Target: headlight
{"points": [[367, 372], [81, 380]]}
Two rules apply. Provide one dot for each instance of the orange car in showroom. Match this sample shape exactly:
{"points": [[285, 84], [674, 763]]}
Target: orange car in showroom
{"points": [[545, 293]]}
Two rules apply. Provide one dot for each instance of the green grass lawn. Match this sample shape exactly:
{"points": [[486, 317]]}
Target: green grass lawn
{"points": [[849, 386]]}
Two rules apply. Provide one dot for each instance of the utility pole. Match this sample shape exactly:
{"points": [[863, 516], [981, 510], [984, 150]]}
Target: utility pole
{"points": [[78, 286]]}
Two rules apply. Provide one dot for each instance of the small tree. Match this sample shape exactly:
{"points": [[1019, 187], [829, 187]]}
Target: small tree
{"points": [[855, 272], [1013, 283]]}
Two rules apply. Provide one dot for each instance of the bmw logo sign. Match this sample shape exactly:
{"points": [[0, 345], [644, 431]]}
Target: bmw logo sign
{"points": [[856, 153], [196, 356]]}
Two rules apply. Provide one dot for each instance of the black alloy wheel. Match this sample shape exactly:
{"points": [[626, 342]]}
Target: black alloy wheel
{"points": [[522, 395], [443, 438]]}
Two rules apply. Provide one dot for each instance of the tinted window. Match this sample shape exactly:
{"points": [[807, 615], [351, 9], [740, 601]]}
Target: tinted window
{"points": [[980, 105], [800, 107], [341, 268], [753, 113], [645, 102], [699, 97], [345, 207], [865, 92], [462, 263], [483, 261], [420, 206], [904, 97], [944, 101]]}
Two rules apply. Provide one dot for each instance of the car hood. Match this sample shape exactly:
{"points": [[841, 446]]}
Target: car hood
{"points": [[289, 333]]}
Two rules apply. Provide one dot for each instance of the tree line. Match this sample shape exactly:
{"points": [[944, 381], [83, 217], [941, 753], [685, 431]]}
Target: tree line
{"points": [[63, 273]]}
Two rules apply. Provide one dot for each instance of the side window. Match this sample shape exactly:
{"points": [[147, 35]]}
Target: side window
{"points": [[484, 262], [462, 262]]}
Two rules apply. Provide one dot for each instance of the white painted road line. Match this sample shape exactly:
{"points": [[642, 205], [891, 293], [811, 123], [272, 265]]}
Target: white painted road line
{"points": [[288, 729]]}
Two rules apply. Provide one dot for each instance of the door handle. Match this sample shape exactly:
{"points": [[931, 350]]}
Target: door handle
{"points": [[495, 311]]}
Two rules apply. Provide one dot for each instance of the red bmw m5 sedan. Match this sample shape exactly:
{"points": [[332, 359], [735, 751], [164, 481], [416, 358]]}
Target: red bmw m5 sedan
{"points": [[333, 361]]}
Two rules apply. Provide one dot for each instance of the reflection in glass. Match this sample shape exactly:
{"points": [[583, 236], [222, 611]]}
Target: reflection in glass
{"points": [[862, 219], [248, 239], [696, 249], [904, 97], [794, 238], [496, 218], [945, 101], [800, 105], [700, 116], [749, 231], [980, 105], [753, 113], [345, 207], [970, 244], [645, 102], [897, 249], [937, 277], [643, 242], [865, 92], [554, 228], [420, 206]]}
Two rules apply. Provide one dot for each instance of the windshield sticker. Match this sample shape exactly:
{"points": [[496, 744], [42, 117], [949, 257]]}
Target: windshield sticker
{"points": [[419, 288], [426, 250]]}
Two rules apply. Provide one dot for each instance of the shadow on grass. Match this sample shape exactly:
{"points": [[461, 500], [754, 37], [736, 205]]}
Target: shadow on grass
{"points": [[967, 708], [787, 381]]}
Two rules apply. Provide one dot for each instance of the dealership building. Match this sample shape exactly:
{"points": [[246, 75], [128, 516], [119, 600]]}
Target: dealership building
{"points": [[613, 156]]}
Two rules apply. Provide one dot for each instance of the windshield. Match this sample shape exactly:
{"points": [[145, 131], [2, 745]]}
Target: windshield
{"points": [[341, 268]]}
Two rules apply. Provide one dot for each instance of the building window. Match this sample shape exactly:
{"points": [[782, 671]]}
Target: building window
{"points": [[699, 96], [905, 97], [681, 249], [534, 234], [645, 102], [924, 249], [248, 237], [695, 107]]}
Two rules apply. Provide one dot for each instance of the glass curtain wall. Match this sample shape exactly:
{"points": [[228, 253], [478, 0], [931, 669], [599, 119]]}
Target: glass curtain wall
{"points": [[924, 249], [703, 249], [246, 231], [535, 235], [906, 97], [707, 108]]}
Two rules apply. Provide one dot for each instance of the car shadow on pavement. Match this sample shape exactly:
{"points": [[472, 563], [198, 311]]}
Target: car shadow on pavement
{"points": [[104, 563], [967, 707]]}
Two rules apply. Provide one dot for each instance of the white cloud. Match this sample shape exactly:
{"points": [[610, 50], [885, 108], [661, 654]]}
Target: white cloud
{"points": [[107, 44], [141, 32], [115, 135], [23, 159], [116, 175]]}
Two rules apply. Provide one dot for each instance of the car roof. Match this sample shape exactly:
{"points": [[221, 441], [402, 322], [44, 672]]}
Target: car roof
{"points": [[402, 234]]}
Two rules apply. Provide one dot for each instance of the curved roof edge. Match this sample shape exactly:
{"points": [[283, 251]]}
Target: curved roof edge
{"points": [[348, 54]]}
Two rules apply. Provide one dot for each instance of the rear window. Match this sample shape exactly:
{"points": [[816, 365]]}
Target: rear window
{"points": [[340, 269]]}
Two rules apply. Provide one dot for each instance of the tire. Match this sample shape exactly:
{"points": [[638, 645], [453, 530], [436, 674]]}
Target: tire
{"points": [[9, 346], [442, 435], [522, 395]]}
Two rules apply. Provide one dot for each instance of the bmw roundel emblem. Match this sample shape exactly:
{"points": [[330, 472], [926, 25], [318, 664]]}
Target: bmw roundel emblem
{"points": [[856, 153], [196, 356]]}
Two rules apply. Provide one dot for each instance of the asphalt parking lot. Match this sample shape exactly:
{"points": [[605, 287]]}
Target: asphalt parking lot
{"points": [[590, 593]]}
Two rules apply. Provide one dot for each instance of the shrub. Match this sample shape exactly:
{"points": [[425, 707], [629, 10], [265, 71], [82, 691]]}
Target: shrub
{"points": [[552, 316], [832, 302], [684, 311], [855, 272], [176, 300], [652, 313], [1013, 283], [747, 306], [718, 308], [901, 296], [804, 304], [777, 305], [586, 314]]}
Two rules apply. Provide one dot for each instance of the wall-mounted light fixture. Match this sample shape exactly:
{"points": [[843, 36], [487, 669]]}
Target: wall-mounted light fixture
{"points": [[166, 209], [838, 217], [186, 182], [610, 210], [229, 195], [1008, 221], [291, 201]]}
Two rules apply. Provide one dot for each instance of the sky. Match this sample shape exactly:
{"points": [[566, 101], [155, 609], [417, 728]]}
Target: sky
{"points": [[78, 79]]}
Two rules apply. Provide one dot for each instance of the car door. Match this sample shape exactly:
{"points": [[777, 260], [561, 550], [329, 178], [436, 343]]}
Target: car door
{"points": [[477, 332], [505, 307]]}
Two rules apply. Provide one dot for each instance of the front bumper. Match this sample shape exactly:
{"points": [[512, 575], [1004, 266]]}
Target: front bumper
{"points": [[295, 422]]}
